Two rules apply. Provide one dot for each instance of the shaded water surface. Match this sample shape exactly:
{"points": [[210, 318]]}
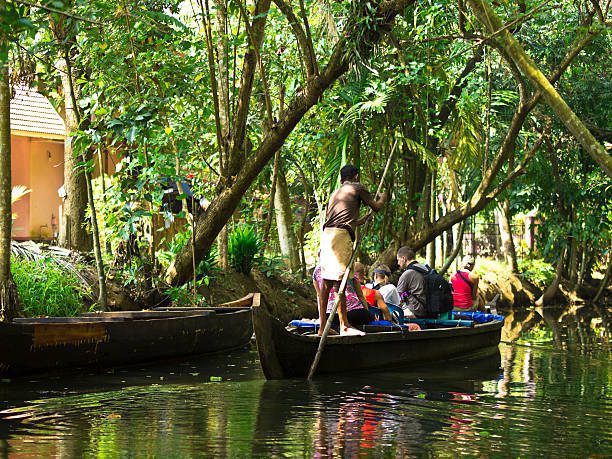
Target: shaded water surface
{"points": [[541, 402]]}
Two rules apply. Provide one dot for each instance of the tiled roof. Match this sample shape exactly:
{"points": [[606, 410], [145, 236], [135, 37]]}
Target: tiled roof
{"points": [[32, 114]]}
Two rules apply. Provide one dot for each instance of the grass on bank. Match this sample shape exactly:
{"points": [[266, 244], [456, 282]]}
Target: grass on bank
{"points": [[46, 289]]}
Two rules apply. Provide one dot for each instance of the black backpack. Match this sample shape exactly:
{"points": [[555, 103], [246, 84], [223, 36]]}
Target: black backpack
{"points": [[438, 291]]}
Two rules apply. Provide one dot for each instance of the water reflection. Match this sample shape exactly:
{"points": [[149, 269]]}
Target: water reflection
{"points": [[526, 401], [566, 327]]}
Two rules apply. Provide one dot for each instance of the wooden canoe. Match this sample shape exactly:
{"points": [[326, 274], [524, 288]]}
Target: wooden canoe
{"points": [[37, 345], [284, 354]]}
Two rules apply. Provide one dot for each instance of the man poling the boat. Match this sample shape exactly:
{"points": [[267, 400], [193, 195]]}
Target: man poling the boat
{"points": [[341, 221]]}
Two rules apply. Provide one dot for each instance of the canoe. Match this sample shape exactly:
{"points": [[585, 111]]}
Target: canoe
{"points": [[107, 339], [285, 354]]}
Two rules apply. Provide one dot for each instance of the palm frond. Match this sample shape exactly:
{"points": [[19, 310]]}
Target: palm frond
{"points": [[465, 139], [18, 192], [426, 155]]}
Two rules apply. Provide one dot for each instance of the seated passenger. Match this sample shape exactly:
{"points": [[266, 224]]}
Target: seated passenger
{"points": [[356, 305], [372, 297], [465, 287], [411, 284], [382, 284]]}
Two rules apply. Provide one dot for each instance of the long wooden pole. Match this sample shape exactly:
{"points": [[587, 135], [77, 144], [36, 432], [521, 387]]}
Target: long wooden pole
{"points": [[315, 362]]}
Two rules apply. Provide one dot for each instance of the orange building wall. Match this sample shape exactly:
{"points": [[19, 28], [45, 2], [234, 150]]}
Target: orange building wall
{"points": [[20, 175], [46, 176], [37, 164]]}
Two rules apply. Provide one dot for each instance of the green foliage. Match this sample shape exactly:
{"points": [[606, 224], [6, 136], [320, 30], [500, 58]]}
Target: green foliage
{"points": [[537, 271], [146, 92], [46, 289], [272, 265], [183, 296], [242, 247]]}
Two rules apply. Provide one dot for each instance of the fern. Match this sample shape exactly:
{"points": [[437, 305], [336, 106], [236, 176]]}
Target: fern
{"points": [[242, 246]]}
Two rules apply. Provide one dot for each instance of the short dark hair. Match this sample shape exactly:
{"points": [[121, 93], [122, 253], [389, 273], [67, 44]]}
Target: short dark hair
{"points": [[348, 172], [407, 252]]}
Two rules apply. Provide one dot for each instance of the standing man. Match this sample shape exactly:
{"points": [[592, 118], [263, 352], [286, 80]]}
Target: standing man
{"points": [[411, 284], [341, 221]]}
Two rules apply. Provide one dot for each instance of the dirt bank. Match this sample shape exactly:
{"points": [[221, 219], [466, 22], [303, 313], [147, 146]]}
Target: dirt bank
{"points": [[285, 298]]}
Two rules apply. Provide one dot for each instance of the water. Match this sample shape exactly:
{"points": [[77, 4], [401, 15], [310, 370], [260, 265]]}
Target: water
{"points": [[544, 401]]}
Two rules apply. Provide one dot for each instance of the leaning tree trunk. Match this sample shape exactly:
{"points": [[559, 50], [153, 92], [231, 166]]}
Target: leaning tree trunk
{"points": [[284, 220], [527, 66], [72, 234], [10, 305]]}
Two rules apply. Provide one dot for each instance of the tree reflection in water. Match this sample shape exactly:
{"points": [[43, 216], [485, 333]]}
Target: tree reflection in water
{"points": [[543, 400]]}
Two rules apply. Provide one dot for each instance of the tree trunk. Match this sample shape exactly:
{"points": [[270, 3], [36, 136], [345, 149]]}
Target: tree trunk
{"points": [[492, 22], [273, 184], [222, 246], [10, 305], [583, 265], [572, 271], [72, 234], [551, 290], [284, 220], [431, 247], [456, 248], [102, 296], [505, 231]]}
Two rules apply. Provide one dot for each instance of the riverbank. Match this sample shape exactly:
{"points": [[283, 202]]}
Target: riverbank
{"points": [[285, 295], [289, 297]]}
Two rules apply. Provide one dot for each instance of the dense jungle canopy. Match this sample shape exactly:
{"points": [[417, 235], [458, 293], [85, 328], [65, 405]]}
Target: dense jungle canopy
{"points": [[490, 109]]}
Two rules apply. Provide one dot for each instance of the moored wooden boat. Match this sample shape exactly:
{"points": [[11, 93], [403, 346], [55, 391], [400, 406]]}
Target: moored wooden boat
{"points": [[36, 345], [284, 354]]}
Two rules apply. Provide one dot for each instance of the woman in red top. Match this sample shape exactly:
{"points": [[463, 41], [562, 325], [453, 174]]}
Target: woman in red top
{"points": [[465, 286]]}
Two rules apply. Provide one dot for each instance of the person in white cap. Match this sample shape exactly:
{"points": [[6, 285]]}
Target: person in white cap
{"points": [[465, 286]]}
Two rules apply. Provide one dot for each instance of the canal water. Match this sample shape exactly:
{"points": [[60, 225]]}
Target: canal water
{"points": [[540, 397]]}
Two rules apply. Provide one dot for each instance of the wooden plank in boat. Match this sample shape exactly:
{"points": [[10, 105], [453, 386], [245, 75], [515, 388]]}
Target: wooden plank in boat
{"points": [[148, 314]]}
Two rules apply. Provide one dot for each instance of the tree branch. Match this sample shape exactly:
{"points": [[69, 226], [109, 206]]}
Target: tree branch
{"points": [[246, 85], [55, 10], [262, 71], [305, 45]]}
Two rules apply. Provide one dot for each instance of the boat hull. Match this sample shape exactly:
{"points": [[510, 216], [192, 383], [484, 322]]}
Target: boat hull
{"points": [[288, 355], [41, 345]]}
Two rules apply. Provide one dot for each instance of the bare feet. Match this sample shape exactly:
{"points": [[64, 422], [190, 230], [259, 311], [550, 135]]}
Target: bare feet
{"points": [[350, 331]]}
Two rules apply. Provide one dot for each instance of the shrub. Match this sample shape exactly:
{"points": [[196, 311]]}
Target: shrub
{"points": [[183, 296], [537, 271], [46, 289], [242, 247]]}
